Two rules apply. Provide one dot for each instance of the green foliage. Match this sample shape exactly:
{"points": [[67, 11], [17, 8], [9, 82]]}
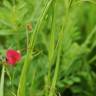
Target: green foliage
{"points": [[57, 39]]}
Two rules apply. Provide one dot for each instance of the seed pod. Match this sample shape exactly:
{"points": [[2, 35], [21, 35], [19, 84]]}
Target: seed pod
{"points": [[29, 26]]}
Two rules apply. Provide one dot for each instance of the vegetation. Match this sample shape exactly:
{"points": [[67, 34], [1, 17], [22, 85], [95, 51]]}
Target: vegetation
{"points": [[56, 43]]}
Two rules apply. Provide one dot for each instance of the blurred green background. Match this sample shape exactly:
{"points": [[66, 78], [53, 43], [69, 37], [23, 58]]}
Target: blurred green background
{"points": [[77, 66]]}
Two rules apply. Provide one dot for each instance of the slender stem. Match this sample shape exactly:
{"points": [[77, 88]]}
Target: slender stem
{"points": [[27, 39], [51, 48], [51, 93], [92, 60], [33, 82], [60, 41], [52, 41], [2, 82], [89, 37], [22, 83]]}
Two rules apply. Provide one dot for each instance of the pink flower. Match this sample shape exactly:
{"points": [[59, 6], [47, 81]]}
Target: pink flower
{"points": [[12, 56]]}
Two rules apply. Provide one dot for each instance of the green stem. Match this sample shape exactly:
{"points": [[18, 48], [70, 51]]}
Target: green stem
{"points": [[52, 41], [89, 37], [22, 83], [2, 82], [60, 41], [51, 48], [51, 93]]}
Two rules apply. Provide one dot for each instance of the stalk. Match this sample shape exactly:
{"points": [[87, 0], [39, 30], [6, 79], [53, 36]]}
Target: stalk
{"points": [[59, 46], [51, 45], [52, 89], [22, 82], [51, 48], [2, 82]]}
